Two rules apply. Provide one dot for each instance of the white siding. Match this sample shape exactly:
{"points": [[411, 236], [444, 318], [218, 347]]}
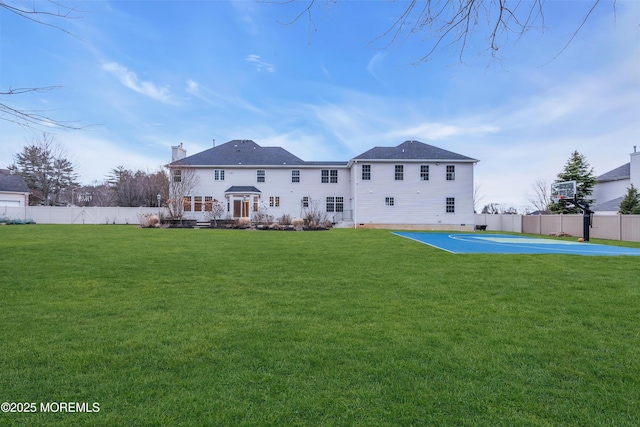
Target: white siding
{"points": [[605, 191], [415, 201], [277, 184]]}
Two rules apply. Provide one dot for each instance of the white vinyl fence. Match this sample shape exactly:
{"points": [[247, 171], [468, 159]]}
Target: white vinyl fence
{"points": [[612, 227], [78, 215]]}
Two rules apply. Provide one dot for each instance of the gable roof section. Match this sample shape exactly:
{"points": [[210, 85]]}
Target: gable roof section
{"points": [[412, 150], [622, 172], [12, 183], [609, 205], [240, 152]]}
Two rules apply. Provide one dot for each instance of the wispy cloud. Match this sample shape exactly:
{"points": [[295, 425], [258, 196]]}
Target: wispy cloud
{"points": [[259, 64], [209, 96], [130, 79]]}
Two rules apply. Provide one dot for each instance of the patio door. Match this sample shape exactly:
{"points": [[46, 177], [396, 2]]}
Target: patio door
{"points": [[240, 208]]}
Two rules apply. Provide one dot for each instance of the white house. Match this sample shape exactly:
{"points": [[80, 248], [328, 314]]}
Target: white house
{"points": [[13, 190], [412, 185], [611, 187]]}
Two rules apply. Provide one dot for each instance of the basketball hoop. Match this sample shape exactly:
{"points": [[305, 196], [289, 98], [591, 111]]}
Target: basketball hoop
{"points": [[563, 191]]}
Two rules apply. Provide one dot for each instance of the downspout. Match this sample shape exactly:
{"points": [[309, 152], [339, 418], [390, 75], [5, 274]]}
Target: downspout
{"points": [[355, 198]]}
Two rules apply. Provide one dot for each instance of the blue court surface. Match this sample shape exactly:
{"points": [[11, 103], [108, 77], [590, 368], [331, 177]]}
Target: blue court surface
{"points": [[508, 244]]}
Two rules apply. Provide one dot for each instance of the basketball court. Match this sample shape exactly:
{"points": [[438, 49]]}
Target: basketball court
{"points": [[459, 243]]}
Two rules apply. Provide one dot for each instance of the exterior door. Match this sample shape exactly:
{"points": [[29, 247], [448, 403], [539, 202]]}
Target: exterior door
{"points": [[236, 208]]}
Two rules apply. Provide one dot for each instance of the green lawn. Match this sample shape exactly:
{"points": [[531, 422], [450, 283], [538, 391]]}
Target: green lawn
{"points": [[343, 327]]}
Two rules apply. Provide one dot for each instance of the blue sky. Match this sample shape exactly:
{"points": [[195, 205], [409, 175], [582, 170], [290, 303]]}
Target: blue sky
{"points": [[143, 76]]}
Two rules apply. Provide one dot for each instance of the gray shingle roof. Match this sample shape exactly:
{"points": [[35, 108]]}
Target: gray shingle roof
{"points": [[248, 153], [412, 150], [610, 205], [242, 189], [12, 183], [622, 172], [240, 152]]}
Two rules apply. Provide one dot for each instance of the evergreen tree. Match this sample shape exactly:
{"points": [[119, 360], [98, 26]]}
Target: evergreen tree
{"points": [[631, 202], [45, 169], [576, 169]]}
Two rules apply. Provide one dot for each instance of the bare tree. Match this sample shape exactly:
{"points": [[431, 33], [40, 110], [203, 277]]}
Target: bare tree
{"points": [[48, 13], [181, 183], [137, 188], [491, 209], [541, 196], [453, 24], [477, 197], [214, 211]]}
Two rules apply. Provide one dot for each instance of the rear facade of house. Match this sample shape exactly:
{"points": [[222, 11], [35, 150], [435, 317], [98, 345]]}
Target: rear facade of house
{"points": [[411, 185]]}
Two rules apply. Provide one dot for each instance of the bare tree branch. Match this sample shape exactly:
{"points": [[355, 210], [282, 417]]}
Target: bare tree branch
{"points": [[453, 23], [36, 13]]}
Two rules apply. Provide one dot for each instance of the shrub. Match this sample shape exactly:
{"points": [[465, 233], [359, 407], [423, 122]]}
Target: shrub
{"points": [[298, 224], [314, 215], [285, 219], [261, 217], [149, 221]]}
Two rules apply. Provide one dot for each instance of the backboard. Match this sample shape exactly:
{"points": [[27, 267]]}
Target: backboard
{"points": [[563, 190]]}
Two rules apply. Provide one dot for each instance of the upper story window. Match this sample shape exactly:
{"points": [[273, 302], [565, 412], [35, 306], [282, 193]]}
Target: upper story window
{"points": [[366, 172], [218, 175], [389, 201], [177, 175], [295, 175], [329, 176], [451, 172], [424, 172], [399, 172], [260, 175]]}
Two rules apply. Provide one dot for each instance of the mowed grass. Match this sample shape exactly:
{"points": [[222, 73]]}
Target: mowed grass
{"points": [[342, 327]]}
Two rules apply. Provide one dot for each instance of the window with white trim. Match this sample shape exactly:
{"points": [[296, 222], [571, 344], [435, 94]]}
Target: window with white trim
{"points": [[177, 175], [295, 175], [451, 172], [331, 204], [305, 202], [366, 172], [218, 175], [186, 203], [274, 201], [399, 173], [424, 172], [329, 176], [451, 205], [260, 175], [339, 204], [389, 201]]}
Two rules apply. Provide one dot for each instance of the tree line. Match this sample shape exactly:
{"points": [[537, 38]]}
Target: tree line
{"points": [[53, 180]]}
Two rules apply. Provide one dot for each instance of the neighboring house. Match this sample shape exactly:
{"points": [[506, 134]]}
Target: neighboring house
{"points": [[412, 185], [611, 187], [13, 190]]}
